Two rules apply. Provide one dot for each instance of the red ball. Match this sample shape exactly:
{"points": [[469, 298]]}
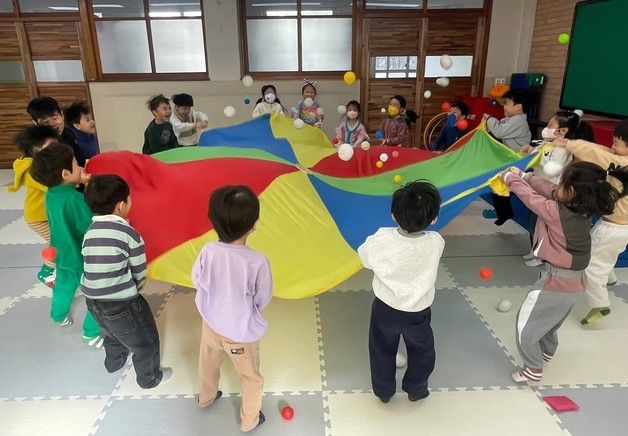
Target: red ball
{"points": [[462, 124], [395, 153], [49, 253], [335, 141], [287, 413], [446, 106], [486, 273]]}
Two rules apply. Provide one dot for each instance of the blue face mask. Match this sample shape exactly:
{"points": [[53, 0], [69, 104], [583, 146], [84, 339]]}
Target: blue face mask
{"points": [[451, 120]]}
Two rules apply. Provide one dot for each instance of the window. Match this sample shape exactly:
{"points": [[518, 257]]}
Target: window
{"points": [[393, 67], [56, 6], [455, 4], [167, 38], [6, 7], [59, 71], [11, 72], [461, 67], [393, 4], [298, 36]]}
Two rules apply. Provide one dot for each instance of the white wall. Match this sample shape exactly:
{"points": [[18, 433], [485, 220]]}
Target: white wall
{"points": [[222, 39], [512, 25]]}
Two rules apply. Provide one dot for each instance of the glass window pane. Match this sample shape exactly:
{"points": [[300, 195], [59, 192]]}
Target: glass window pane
{"points": [[178, 46], [119, 8], [413, 64], [54, 6], [123, 46], [170, 8], [271, 8], [272, 45], [59, 71], [455, 4], [397, 75], [398, 62], [380, 75], [393, 4], [461, 67], [381, 62], [327, 7], [6, 6], [11, 72], [330, 49]]}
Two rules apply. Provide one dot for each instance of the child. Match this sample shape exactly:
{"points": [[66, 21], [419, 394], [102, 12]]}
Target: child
{"points": [[269, 103], [404, 261], [69, 217], [159, 135], [562, 241], [114, 274], [450, 132], [351, 130], [81, 121], [308, 109], [512, 130], [186, 122], [29, 141], [46, 111], [233, 285], [610, 233], [396, 125]]}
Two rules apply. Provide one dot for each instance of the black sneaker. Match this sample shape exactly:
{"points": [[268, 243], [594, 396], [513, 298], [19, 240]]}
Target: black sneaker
{"points": [[384, 399], [417, 397], [262, 418]]}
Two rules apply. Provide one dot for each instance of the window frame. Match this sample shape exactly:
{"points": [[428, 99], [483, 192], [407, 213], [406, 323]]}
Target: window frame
{"points": [[244, 53]]}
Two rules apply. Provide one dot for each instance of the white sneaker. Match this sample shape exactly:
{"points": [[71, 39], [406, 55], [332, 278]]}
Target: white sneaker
{"points": [[66, 322], [529, 256], [166, 375], [534, 262], [400, 360], [94, 342]]}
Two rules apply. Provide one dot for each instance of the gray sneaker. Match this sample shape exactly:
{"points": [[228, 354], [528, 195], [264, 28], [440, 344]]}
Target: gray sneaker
{"points": [[166, 375]]}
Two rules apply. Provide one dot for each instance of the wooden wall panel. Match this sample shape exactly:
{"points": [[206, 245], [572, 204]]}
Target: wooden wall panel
{"points": [[458, 86], [13, 118], [54, 41], [393, 36], [453, 36], [9, 47], [64, 93]]}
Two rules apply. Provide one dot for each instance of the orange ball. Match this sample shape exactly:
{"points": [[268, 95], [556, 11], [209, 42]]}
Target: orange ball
{"points": [[486, 273], [335, 141], [379, 164], [49, 253], [287, 413], [462, 124], [446, 106]]}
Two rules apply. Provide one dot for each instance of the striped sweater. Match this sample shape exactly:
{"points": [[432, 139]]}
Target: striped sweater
{"points": [[114, 260]]}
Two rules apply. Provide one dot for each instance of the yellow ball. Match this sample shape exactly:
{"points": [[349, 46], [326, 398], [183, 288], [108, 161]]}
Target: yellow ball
{"points": [[563, 38], [379, 164], [349, 77], [397, 178]]}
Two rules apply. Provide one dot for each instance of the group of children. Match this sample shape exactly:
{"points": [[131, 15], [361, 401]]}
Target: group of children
{"points": [[100, 253]]}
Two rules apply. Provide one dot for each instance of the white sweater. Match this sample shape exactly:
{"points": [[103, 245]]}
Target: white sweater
{"points": [[263, 108], [186, 132], [405, 266]]}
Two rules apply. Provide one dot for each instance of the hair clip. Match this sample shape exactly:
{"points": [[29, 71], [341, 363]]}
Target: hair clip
{"points": [[309, 82]]}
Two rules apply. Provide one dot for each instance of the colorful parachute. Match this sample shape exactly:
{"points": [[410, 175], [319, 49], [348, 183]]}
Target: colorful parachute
{"points": [[315, 208]]}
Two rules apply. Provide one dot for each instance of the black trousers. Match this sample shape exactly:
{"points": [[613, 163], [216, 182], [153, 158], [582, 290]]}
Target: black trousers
{"points": [[129, 327], [503, 207], [387, 325]]}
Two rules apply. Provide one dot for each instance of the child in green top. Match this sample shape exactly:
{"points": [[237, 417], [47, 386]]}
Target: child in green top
{"points": [[159, 135], [68, 217]]}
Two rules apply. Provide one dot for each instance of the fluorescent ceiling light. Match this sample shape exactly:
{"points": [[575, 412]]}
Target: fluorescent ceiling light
{"points": [[109, 6], [393, 5], [281, 13], [174, 4], [63, 8]]}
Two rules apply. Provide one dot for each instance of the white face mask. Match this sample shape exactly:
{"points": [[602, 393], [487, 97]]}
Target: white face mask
{"points": [[352, 115], [548, 134], [270, 98]]}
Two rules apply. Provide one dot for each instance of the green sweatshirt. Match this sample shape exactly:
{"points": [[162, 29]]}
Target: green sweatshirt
{"points": [[68, 217], [159, 137]]}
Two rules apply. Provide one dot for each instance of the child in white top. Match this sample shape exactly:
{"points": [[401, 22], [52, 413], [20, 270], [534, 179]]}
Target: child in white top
{"points": [[269, 103], [404, 261], [186, 122]]}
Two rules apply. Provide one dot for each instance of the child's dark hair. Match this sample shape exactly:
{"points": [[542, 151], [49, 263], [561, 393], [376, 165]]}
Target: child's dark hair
{"points": [[411, 115], [416, 205], [354, 103], [49, 163], [76, 110], [464, 109], [578, 129], [33, 137], [182, 99], [155, 101], [306, 85], [42, 107], [233, 210], [592, 193], [621, 130], [519, 96], [266, 88], [104, 192]]}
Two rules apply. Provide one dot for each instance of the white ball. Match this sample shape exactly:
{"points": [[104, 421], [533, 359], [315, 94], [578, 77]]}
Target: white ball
{"points": [[400, 360], [383, 110], [345, 152], [320, 112], [504, 306], [383, 157], [247, 81], [446, 62], [229, 111], [365, 145], [298, 123], [442, 82], [579, 112], [308, 102], [427, 94], [342, 109], [552, 169]]}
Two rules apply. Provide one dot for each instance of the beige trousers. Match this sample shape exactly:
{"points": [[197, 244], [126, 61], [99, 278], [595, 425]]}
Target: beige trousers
{"points": [[245, 358]]}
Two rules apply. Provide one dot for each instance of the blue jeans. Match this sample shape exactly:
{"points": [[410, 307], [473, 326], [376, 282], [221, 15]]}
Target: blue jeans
{"points": [[128, 326]]}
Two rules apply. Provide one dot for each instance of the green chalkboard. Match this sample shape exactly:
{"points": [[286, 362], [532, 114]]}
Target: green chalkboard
{"points": [[596, 75]]}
